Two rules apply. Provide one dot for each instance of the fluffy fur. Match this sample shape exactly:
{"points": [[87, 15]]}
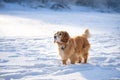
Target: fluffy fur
{"points": [[76, 49]]}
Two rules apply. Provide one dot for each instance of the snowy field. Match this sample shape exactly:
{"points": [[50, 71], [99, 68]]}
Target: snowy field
{"points": [[27, 51]]}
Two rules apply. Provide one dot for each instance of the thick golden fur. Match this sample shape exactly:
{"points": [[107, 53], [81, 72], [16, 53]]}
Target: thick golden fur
{"points": [[76, 49]]}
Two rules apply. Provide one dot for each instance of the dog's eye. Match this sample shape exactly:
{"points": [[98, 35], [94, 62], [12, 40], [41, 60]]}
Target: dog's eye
{"points": [[60, 34]]}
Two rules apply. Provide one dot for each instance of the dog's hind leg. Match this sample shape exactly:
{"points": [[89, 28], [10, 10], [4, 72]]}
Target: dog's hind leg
{"points": [[85, 56]]}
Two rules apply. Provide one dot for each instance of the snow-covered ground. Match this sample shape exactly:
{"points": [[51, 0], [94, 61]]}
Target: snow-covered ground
{"points": [[27, 51]]}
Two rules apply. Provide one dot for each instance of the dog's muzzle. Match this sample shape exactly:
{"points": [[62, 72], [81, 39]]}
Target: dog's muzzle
{"points": [[55, 38]]}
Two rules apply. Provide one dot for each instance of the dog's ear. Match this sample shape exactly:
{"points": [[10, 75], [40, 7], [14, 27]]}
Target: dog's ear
{"points": [[65, 37]]}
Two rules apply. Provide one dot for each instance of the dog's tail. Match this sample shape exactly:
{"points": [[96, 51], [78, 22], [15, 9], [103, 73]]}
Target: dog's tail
{"points": [[86, 33]]}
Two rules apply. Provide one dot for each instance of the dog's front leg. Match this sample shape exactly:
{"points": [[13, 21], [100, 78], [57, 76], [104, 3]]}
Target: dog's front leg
{"points": [[64, 62]]}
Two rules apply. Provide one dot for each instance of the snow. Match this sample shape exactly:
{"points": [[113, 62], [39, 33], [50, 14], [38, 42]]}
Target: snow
{"points": [[27, 50]]}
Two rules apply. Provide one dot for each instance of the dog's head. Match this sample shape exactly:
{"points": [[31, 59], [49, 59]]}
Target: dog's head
{"points": [[61, 37]]}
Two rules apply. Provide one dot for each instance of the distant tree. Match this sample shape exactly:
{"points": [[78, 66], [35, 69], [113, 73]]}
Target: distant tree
{"points": [[85, 2], [44, 1], [11, 0], [113, 3], [1, 3]]}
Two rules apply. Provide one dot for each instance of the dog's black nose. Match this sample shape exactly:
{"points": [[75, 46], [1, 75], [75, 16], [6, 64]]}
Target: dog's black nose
{"points": [[55, 37]]}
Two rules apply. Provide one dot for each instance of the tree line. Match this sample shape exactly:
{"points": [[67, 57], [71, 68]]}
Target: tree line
{"points": [[108, 4]]}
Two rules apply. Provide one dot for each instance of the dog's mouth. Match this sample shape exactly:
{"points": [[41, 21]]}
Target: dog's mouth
{"points": [[57, 39], [54, 41]]}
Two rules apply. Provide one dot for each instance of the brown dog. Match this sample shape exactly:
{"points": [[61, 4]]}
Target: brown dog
{"points": [[74, 49]]}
